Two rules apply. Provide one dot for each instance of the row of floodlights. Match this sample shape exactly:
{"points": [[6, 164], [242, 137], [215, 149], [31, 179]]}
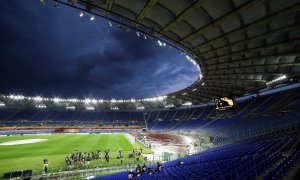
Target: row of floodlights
{"points": [[277, 80], [41, 106], [86, 101]]}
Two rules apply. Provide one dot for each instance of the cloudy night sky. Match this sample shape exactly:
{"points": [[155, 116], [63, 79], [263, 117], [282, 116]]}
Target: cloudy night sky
{"points": [[51, 51]]}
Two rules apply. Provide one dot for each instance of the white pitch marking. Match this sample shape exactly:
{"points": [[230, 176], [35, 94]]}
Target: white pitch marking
{"points": [[25, 141]]}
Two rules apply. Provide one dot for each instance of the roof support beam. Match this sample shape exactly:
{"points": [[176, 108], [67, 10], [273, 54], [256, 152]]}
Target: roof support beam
{"points": [[257, 23], [256, 58], [265, 46], [217, 21], [108, 5], [252, 73], [252, 66], [222, 77], [257, 37], [145, 10], [182, 15], [222, 87]]}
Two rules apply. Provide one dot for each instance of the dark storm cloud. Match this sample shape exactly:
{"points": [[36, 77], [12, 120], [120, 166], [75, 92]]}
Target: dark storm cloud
{"points": [[52, 52]]}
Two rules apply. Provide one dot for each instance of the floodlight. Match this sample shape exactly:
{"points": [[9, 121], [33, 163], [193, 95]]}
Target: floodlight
{"points": [[160, 43], [56, 100], [87, 101], [81, 14], [92, 18], [37, 98]]}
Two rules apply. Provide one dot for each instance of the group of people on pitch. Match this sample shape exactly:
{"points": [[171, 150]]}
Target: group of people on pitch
{"points": [[81, 159], [144, 169]]}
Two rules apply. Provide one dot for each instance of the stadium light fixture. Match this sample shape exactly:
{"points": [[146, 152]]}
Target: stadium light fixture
{"points": [[114, 108], [100, 101], [159, 43], [70, 107], [140, 107], [138, 34], [81, 14], [37, 98], [94, 101], [194, 90], [90, 108], [41, 106], [277, 80], [169, 106], [56, 100], [187, 104], [113, 101], [92, 18], [2, 104], [203, 84], [87, 101]]}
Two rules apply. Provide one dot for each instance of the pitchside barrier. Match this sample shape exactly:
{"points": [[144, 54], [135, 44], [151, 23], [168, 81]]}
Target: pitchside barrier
{"points": [[82, 173]]}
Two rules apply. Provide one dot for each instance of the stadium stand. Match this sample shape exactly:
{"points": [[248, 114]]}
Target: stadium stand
{"points": [[264, 157], [243, 49]]}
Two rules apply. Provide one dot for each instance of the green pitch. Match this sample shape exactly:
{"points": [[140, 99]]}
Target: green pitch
{"points": [[30, 156]]}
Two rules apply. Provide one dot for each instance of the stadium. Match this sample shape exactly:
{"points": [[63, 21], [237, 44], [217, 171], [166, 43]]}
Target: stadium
{"points": [[237, 117]]}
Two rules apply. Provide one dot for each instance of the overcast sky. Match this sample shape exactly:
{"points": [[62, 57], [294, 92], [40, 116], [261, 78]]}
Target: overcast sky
{"points": [[50, 51]]}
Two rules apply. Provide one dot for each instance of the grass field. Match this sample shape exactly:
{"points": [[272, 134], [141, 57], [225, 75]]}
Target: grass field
{"points": [[30, 156]]}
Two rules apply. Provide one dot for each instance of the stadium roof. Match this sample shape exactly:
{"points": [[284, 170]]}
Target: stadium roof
{"points": [[240, 45]]}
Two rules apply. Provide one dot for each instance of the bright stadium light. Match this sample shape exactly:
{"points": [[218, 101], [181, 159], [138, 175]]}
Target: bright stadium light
{"points": [[94, 101], [90, 108], [277, 80], [114, 108], [81, 14], [41, 106], [187, 104], [56, 100], [92, 18], [87, 101], [140, 107], [137, 33], [194, 90], [110, 24], [113, 101], [159, 43], [37, 98], [2, 104], [100, 101], [169, 105]]}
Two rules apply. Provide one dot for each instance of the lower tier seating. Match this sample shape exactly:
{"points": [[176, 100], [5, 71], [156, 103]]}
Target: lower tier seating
{"points": [[266, 157]]}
